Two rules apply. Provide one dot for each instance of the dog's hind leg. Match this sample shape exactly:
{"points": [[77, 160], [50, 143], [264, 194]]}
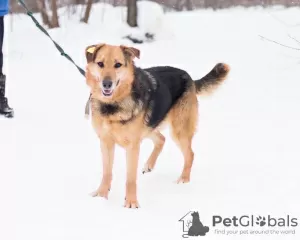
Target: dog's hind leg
{"points": [[158, 140], [184, 117], [185, 145]]}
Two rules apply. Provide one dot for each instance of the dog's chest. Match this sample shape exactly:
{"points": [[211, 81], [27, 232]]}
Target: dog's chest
{"points": [[122, 112], [122, 122], [107, 110], [120, 135], [119, 114], [123, 135]]}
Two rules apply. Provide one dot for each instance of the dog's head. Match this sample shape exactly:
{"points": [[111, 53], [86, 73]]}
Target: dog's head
{"points": [[110, 70]]}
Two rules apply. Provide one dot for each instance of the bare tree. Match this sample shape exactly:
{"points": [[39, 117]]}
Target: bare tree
{"points": [[87, 11], [43, 10], [54, 20], [189, 223], [132, 13], [189, 5], [211, 4], [179, 5], [115, 3], [79, 2], [283, 45]]}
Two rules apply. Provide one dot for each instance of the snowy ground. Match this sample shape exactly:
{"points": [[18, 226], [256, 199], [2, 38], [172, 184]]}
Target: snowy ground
{"points": [[246, 149]]}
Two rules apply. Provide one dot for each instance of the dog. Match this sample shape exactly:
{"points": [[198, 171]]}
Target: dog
{"points": [[197, 228], [129, 104]]}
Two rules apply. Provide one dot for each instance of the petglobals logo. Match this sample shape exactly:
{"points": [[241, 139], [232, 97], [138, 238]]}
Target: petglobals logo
{"points": [[254, 225], [253, 221]]}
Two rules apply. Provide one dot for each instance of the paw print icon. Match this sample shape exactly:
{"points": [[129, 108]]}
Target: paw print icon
{"points": [[261, 221]]}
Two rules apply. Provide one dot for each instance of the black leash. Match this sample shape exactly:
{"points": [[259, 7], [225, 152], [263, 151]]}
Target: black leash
{"points": [[59, 48]]}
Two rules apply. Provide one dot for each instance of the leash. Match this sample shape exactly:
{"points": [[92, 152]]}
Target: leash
{"points": [[59, 48]]}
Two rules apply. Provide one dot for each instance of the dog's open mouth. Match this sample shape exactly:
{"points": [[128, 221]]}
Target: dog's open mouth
{"points": [[107, 93]]}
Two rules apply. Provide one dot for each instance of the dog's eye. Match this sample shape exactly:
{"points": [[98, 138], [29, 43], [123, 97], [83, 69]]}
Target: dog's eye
{"points": [[101, 64], [118, 65]]}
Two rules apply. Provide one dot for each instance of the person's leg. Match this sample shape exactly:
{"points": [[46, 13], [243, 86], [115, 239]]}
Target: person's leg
{"points": [[1, 43], [4, 107]]}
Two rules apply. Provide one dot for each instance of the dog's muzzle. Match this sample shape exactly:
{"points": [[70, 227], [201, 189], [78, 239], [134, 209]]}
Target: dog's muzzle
{"points": [[107, 87]]}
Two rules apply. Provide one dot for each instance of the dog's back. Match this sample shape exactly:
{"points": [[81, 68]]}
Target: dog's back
{"points": [[170, 84]]}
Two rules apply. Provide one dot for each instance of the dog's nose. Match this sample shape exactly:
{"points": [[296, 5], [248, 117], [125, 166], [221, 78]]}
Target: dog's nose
{"points": [[107, 83]]}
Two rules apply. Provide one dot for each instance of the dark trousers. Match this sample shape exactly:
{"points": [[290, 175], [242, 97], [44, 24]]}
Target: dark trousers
{"points": [[1, 42]]}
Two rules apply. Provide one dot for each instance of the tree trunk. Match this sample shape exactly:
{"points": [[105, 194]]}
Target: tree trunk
{"points": [[54, 20], [179, 5], [42, 8], [87, 11], [32, 5], [132, 13], [211, 4], [189, 5], [79, 2]]}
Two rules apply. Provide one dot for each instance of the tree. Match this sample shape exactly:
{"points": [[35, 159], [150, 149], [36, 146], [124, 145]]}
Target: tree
{"points": [[43, 10], [53, 23], [115, 3], [179, 5], [132, 13], [54, 20], [79, 2], [87, 11], [211, 4], [189, 5], [189, 223]]}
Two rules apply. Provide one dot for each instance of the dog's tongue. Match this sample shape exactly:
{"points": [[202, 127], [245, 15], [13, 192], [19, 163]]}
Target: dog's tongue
{"points": [[107, 91]]}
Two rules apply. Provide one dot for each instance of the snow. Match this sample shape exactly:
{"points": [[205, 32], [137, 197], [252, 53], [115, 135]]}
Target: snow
{"points": [[246, 148]]}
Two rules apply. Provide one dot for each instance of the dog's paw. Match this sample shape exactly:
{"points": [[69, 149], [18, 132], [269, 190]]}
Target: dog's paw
{"points": [[101, 192], [183, 179], [147, 169], [131, 203]]}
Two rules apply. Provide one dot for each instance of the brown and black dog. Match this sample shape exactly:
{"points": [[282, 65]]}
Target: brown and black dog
{"points": [[130, 104]]}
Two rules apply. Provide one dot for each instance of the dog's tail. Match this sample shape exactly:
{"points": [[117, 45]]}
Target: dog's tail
{"points": [[213, 79]]}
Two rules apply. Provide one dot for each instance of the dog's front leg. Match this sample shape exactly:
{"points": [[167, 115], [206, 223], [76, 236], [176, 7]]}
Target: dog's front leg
{"points": [[107, 149], [132, 156]]}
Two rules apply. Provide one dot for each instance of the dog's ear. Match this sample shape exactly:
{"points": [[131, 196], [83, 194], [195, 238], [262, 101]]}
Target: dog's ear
{"points": [[130, 52], [91, 51]]}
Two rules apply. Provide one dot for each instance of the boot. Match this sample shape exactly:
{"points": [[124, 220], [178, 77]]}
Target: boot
{"points": [[5, 110]]}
